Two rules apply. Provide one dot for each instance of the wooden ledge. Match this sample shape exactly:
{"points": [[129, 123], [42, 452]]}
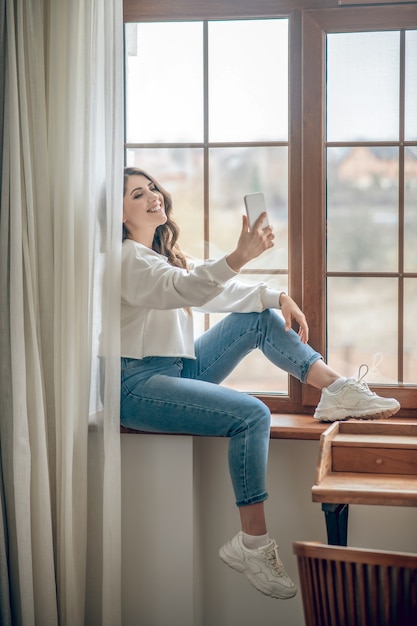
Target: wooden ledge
{"points": [[296, 426], [302, 426], [283, 426], [292, 426]]}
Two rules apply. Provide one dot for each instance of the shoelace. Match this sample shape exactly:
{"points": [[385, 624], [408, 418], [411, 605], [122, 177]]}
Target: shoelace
{"points": [[271, 555], [360, 382]]}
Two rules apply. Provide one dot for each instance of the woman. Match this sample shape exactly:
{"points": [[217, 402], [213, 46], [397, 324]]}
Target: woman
{"points": [[170, 382]]}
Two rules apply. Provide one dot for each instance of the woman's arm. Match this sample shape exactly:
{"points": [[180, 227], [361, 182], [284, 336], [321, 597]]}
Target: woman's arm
{"points": [[150, 282]]}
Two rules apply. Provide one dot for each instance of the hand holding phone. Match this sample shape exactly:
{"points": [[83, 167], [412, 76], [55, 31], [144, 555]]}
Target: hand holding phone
{"points": [[255, 205], [252, 243]]}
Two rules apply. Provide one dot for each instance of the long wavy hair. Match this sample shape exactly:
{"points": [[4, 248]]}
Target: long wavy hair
{"points": [[166, 235]]}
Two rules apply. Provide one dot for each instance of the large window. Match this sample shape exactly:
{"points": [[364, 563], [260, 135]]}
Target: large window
{"points": [[317, 107], [361, 71], [207, 115], [371, 151]]}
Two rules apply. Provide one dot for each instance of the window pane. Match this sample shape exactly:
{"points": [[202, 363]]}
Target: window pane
{"points": [[235, 172], [180, 172], [410, 331], [410, 209], [164, 82], [363, 86], [248, 80], [411, 85], [362, 319], [362, 209], [255, 373]]}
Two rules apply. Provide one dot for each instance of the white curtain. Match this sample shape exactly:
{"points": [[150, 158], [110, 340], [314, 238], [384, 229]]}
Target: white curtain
{"points": [[61, 137]]}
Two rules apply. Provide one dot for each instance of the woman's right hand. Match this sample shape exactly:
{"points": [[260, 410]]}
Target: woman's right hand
{"points": [[251, 244]]}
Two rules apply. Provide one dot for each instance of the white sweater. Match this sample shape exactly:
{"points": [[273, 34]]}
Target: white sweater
{"points": [[154, 321]]}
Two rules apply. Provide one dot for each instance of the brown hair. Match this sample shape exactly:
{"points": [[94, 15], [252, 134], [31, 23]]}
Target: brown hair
{"points": [[166, 235]]}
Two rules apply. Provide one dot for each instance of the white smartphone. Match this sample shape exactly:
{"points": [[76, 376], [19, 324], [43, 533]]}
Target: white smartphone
{"points": [[255, 205]]}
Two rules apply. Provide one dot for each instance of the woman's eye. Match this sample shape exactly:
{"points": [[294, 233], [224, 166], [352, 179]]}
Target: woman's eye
{"points": [[138, 195]]}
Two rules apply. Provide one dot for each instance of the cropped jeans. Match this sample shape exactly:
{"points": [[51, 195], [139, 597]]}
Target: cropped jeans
{"points": [[181, 395]]}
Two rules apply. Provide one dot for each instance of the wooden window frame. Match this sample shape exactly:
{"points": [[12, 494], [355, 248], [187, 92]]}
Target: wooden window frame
{"points": [[316, 24], [309, 23]]}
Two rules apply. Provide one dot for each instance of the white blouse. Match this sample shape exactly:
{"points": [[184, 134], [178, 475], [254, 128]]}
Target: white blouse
{"points": [[155, 295]]}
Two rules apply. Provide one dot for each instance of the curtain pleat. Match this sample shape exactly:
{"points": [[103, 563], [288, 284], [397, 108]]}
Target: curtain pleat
{"points": [[5, 374], [60, 233]]}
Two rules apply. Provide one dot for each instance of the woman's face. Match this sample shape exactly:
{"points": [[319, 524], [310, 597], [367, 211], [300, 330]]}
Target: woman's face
{"points": [[143, 206]]}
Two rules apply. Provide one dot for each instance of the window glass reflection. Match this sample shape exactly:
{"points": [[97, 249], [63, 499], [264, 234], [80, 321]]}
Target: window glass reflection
{"points": [[235, 172], [410, 209], [362, 209], [410, 331], [180, 171], [248, 80], [363, 86], [164, 82], [362, 315], [255, 373], [411, 85]]}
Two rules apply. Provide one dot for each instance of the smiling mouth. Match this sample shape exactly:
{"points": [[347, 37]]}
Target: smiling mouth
{"points": [[155, 209]]}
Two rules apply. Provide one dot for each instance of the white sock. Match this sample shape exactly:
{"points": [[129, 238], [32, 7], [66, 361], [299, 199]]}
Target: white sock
{"points": [[337, 384], [255, 541]]}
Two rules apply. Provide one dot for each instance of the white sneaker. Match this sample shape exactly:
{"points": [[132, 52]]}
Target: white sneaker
{"points": [[262, 567], [354, 399]]}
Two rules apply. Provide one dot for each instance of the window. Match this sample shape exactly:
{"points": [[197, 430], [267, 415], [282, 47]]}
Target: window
{"points": [[372, 202], [366, 143], [327, 129], [207, 115]]}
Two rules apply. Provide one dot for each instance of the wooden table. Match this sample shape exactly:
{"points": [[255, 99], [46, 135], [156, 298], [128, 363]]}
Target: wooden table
{"points": [[365, 462]]}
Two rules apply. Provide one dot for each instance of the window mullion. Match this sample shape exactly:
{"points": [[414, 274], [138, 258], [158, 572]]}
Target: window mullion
{"points": [[401, 213], [206, 159]]}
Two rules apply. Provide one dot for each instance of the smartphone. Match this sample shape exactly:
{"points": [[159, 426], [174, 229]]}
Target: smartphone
{"points": [[255, 205]]}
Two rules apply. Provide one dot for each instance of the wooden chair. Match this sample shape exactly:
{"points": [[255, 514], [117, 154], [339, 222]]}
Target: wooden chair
{"points": [[343, 586]]}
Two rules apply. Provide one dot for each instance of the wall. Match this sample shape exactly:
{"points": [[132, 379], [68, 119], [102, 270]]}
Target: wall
{"points": [[178, 509]]}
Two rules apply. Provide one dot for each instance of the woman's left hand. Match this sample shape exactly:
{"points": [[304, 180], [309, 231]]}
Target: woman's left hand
{"points": [[291, 311]]}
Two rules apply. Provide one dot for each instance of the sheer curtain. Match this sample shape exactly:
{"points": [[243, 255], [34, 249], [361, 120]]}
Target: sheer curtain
{"points": [[61, 136]]}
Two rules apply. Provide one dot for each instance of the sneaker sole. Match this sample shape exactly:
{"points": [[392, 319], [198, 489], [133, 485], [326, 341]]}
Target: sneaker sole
{"points": [[339, 417], [236, 564]]}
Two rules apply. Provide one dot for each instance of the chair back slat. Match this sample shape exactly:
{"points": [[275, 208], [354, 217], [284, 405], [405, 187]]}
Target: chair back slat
{"points": [[356, 587]]}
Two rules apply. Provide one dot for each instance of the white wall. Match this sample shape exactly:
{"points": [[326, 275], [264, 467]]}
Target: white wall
{"points": [[178, 509]]}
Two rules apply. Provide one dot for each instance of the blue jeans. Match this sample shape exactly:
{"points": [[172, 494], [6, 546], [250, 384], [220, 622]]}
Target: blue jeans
{"points": [[177, 395]]}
